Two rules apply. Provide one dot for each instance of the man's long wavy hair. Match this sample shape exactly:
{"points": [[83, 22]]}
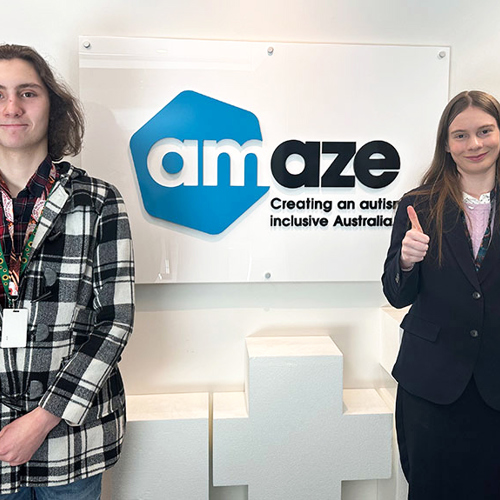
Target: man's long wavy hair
{"points": [[441, 184], [66, 121]]}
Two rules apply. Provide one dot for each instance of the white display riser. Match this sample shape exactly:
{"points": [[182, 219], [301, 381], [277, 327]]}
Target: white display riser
{"points": [[294, 433], [165, 454]]}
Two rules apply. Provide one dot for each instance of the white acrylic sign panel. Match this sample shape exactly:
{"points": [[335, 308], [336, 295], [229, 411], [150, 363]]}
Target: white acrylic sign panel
{"points": [[259, 161]]}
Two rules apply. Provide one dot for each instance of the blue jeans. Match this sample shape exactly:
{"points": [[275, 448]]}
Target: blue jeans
{"points": [[83, 489]]}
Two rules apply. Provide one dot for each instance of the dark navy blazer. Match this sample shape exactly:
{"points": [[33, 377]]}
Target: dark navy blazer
{"points": [[452, 330]]}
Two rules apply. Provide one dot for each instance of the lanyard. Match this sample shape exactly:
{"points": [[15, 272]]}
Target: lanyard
{"points": [[10, 274], [9, 282]]}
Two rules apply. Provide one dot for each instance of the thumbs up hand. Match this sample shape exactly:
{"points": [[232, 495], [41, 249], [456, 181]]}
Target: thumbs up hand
{"points": [[415, 243]]}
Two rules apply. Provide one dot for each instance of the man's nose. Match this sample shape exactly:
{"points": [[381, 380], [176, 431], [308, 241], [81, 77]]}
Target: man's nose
{"points": [[12, 107]]}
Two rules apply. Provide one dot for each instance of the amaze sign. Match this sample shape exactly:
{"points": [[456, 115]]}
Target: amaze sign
{"points": [[186, 154], [255, 161]]}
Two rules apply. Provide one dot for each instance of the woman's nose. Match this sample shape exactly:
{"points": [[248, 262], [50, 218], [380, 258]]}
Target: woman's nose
{"points": [[475, 142]]}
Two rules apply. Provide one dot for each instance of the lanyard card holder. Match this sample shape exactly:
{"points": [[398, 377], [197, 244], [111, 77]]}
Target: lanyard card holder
{"points": [[14, 328]]}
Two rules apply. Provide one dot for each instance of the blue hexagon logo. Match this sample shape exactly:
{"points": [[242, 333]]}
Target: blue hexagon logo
{"points": [[184, 158]]}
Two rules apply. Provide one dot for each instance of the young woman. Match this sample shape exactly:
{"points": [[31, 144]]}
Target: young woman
{"points": [[444, 260]]}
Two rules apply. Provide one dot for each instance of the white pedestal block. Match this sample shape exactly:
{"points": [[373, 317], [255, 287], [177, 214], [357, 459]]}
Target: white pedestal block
{"points": [[294, 433], [165, 454]]}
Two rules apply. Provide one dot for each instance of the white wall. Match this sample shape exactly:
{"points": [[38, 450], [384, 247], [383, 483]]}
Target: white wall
{"points": [[191, 337]]}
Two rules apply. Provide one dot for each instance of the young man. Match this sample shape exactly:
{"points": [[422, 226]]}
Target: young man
{"points": [[66, 268]]}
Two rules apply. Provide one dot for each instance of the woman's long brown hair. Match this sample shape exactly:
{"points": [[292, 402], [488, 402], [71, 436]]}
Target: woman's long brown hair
{"points": [[441, 185]]}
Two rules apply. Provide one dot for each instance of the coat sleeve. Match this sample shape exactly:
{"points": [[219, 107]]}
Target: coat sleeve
{"points": [[400, 287], [77, 383]]}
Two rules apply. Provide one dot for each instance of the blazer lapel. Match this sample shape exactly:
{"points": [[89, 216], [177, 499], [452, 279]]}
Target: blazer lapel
{"points": [[454, 234]]}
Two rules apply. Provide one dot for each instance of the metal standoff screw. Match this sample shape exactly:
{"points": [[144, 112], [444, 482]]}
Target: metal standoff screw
{"points": [[270, 51], [87, 44], [442, 54]]}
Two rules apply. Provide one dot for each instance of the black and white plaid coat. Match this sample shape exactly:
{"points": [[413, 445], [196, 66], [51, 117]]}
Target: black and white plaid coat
{"points": [[78, 288]]}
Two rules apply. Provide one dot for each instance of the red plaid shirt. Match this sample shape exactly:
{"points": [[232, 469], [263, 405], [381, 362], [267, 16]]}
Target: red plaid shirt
{"points": [[23, 206]]}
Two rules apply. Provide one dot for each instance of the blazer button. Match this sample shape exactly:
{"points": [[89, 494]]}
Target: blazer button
{"points": [[476, 295], [474, 333]]}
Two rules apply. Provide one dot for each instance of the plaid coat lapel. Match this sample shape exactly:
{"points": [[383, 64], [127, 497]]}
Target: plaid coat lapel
{"points": [[55, 203]]}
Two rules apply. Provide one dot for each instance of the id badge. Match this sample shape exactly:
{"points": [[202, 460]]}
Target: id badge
{"points": [[14, 328]]}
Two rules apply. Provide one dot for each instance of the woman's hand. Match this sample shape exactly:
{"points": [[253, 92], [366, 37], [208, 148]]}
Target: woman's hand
{"points": [[415, 243]]}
